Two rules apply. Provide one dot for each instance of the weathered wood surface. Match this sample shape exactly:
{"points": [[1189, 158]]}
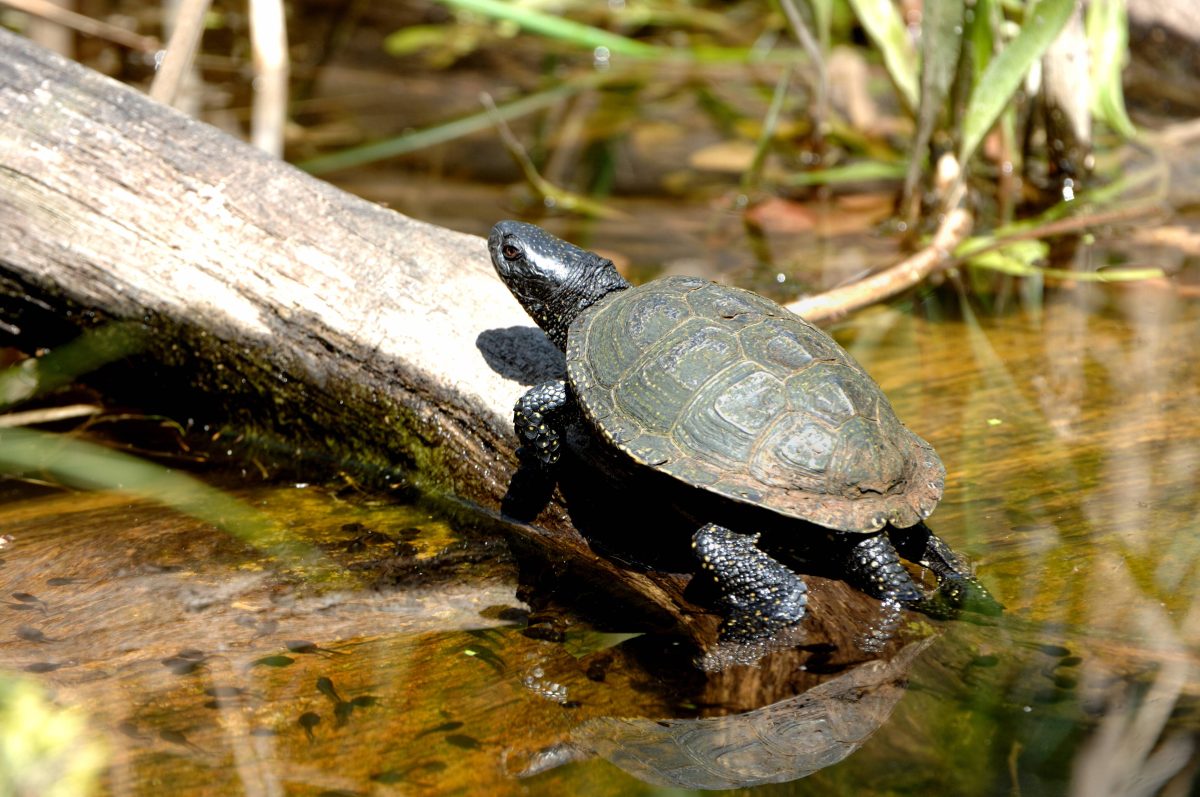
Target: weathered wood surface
{"points": [[322, 318], [110, 201]]}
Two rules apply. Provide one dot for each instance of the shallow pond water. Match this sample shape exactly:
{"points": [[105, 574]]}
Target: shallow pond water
{"points": [[387, 655]]}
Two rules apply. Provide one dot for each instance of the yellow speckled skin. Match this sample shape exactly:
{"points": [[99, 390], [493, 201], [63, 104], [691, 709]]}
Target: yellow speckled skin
{"points": [[726, 390]]}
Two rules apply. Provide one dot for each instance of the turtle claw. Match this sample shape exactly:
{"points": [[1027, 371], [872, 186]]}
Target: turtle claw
{"points": [[958, 590], [965, 593], [748, 627], [953, 597]]}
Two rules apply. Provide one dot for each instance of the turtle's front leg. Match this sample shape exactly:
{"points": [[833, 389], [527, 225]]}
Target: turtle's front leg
{"points": [[762, 595], [538, 421]]}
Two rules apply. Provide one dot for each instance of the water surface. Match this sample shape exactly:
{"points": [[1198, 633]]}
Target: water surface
{"points": [[390, 658]]}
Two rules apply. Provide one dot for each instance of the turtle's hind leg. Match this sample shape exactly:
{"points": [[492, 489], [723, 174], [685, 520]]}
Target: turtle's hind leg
{"points": [[762, 595], [957, 585]]}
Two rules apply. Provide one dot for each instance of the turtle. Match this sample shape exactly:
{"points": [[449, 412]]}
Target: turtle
{"points": [[725, 391]]}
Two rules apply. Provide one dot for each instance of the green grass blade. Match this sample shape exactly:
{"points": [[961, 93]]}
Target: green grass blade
{"points": [[1021, 258], [886, 30], [822, 11], [863, 171], [981, 36], [554, 27], [439, 134], [416, 38], [941, 46], [1004, 74], [942, 40], [1108, 42], [88, 466], [91, 350], [753, 175], [1106, 274], [1018, 258]]}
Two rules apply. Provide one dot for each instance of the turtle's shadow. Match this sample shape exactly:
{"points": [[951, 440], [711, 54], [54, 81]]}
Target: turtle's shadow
{"points": [[522, 354]]}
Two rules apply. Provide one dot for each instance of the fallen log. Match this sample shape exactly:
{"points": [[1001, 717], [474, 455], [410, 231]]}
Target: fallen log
{"points": [[289, 306]]}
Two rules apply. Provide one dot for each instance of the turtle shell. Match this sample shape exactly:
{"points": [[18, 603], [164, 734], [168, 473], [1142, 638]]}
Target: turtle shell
{"points": [[725, 390]]}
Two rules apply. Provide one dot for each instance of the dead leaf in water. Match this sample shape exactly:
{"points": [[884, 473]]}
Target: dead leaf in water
{"points": [[1176, 236], [731, 157], [781, 216]]}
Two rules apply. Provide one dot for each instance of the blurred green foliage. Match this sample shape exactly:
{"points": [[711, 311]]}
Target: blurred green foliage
{"points": [[998, 43], [960, 71], [45, 750]]}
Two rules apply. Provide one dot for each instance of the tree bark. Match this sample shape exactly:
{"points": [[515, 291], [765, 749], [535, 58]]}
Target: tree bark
{"points": [[306, 312]]}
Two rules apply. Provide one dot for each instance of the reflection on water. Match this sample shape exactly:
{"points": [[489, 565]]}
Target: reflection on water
{"points": [[394, 661], [1070, 433], [775, 743]]}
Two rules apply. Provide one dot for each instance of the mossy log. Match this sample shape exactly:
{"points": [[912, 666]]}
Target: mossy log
{"points": [[306, 313]]}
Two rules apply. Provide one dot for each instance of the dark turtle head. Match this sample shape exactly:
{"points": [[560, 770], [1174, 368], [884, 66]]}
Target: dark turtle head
{"points": [[554, 280]]}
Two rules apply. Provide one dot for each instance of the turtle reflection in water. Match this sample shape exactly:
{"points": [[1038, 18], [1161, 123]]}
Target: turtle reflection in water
{"points": [[726, 391], [780, 742]]}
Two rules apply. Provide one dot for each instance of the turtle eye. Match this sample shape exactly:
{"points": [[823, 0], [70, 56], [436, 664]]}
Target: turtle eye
{"points": [[510, 252]]}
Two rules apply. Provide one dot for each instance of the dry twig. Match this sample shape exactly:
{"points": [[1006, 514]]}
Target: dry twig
{"points": [[181, 51], [938, 255], [85, 24], [268, 35]]}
